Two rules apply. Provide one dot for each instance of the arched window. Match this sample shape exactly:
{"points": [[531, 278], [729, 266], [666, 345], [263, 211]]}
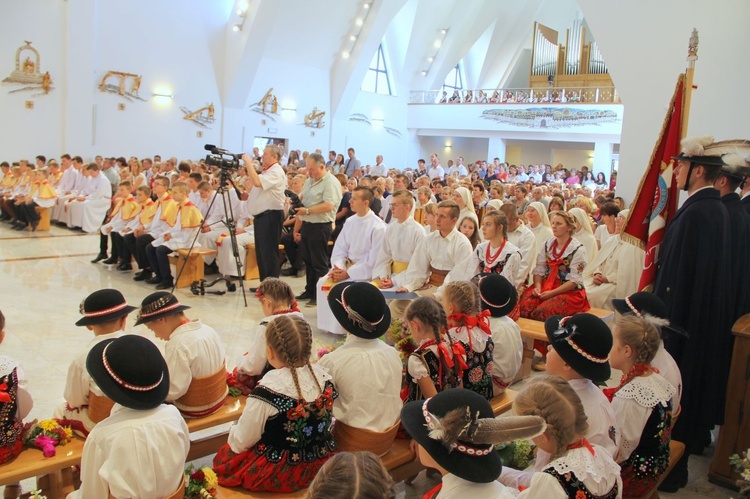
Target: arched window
{"points": [[377, 79]]}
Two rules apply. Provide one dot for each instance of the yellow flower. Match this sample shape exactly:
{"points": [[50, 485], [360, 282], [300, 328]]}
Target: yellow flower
{"points": [[47, 424], [211, 480], [68, 432]]}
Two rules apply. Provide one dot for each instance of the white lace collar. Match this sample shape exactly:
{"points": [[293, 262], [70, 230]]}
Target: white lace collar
{"points": [[280, 380], [648, 390], [583, 465]]}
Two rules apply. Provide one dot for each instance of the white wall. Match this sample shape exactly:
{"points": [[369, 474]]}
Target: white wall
{"points": [[471, 149], [645, 50]]}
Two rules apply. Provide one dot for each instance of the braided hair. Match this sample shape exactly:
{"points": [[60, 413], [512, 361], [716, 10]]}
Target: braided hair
{"points": [[464, 296], [277, 291], [351, 475], [290, 337], [642, 336]]}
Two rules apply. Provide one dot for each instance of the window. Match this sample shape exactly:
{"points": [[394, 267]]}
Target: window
{"points": [[376, 80], [455, 79]]}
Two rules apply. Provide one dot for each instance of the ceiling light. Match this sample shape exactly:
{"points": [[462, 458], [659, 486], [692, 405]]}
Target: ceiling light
{"points": [[438, 43], [359, 21], [430, 58], [424, 73], [345, 54], [353, 38], [240, 13], [366, 6], [443, 31], [236, 28]]}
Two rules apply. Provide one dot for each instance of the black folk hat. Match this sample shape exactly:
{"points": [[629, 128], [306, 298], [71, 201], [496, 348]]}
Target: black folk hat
{"points": [[649, 307], [138, 384], [497, 293], [102, 306], [583, 341], [158, 305], [458, 430], [360, 308]]}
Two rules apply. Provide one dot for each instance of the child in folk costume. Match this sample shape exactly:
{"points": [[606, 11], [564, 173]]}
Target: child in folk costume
{"points": [[577, 468], [352, 475], [125, 211], [140, 449], [367, 372], [276, 298], [650, 307], [284, 434], [105, 313], [456, 432], [438, 363], [194, 354], [642, 404], [499, 297], [41, 194], [184, 224], [15, 403], [578, 351], [470, 327]]}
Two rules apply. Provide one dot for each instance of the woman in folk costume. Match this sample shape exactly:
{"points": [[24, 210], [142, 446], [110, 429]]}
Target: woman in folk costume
{"points": [[276, 298], [615, 271], [577, 468], [284, 435], [584, 234], [462, 197], [456, 432], [105, 313], [367, 372], [15, 403], [438, 363], [500, 298], [470, 326], [558, 276], [642, 403], [497, 255]]}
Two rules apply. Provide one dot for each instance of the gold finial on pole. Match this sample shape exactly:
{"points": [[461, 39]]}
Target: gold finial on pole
{"points": [[688, 94]]}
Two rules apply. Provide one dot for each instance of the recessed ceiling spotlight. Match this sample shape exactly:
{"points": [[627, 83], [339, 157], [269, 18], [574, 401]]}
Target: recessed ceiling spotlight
{"points": [[430, 58], [366, 5], [438, 43], [352, 38], [236, 28], [359, 21], [443, 31], [345, 54], [424, 73]]}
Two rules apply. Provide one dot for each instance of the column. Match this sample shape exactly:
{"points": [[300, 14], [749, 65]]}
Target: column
{"points": [[496, 149], [603, 158]]}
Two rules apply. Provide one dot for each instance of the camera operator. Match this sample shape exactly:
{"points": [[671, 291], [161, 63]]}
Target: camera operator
{"points": [[265, 202]]}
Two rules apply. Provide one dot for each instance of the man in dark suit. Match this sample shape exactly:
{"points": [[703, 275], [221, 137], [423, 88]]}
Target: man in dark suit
{"points": [[693, 279]]}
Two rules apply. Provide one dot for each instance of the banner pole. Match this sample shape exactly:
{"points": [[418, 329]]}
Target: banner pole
{"points": [[687, 95]]}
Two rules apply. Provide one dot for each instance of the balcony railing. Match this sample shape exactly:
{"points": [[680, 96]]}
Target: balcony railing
{"points": [[551, 95]]}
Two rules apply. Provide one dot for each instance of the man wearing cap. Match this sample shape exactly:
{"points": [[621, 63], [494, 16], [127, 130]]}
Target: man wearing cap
{"points": [[105, 313], [693, 279], [366, 371], [140, 449], [194, 354]]}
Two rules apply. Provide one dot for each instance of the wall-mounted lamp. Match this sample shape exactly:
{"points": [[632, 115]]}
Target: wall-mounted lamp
{"points": [[294, 109], [162, 94]]}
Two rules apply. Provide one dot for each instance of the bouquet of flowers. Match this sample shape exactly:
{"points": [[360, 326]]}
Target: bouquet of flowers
{"points": [[46, 435], [201, 483], [515, 454], [742, 465], [401, 338], [326, 349]]}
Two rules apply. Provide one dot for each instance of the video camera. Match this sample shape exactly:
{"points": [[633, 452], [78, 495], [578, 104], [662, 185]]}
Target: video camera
{"points": [[222, 158]]}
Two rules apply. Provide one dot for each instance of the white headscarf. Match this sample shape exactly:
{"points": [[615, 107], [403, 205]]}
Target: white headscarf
{"points": [[539, 207], [495, 204], [584, 223], [466, 197]]}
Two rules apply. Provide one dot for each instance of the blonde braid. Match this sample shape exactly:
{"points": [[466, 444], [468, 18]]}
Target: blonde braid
{"points": [[280, 333]]}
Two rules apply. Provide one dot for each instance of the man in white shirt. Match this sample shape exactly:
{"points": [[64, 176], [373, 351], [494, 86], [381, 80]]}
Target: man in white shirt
{"points": [[265, 203], [399, 183], [443, 256], [401, 239], [140, 449], [379, 169], [462, 171], [436, 171], [87, 211], [522, 237], [354, 254]]}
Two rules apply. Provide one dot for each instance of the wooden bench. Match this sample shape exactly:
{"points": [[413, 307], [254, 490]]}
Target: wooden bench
{"points": [[44, 215], [229, 493], [193, 264], [534, 330], [53, 473], [400, 461]]}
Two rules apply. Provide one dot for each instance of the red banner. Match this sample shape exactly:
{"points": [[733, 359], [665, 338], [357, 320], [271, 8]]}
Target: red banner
{"points": [[656, 200]]}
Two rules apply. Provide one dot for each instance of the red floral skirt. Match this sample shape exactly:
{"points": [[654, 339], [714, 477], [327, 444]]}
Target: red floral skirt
{"points": [[8, 453], [569, 303], [254, 471]]}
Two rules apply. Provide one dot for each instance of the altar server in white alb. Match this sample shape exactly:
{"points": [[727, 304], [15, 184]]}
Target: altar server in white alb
{"points": [[194, 353], [87, 211], [402, 237], [140, 449], [216, 217], [70, 184], [443, 256], [354, 254]]}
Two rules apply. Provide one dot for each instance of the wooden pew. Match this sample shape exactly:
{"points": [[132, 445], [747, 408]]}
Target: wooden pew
{"points": [[400, 461], [230, 493], [43, 218], [53, 473], [193, 264]]}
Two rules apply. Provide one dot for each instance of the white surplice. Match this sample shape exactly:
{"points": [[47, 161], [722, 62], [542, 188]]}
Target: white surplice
{"points": [[399, 244], [367, 375], [89, 214], [621, 263], [358, 242]]}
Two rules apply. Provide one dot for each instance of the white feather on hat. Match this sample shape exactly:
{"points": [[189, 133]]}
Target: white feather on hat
{"points": [[695, 146]]}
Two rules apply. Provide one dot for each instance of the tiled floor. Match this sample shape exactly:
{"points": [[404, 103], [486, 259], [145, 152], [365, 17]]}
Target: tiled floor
{"points": [[46, 275]]}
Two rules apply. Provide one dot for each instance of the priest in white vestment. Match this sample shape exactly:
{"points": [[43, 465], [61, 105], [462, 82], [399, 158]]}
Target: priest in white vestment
{"points": [[615, 271], [88, 211], [354, 254]]}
